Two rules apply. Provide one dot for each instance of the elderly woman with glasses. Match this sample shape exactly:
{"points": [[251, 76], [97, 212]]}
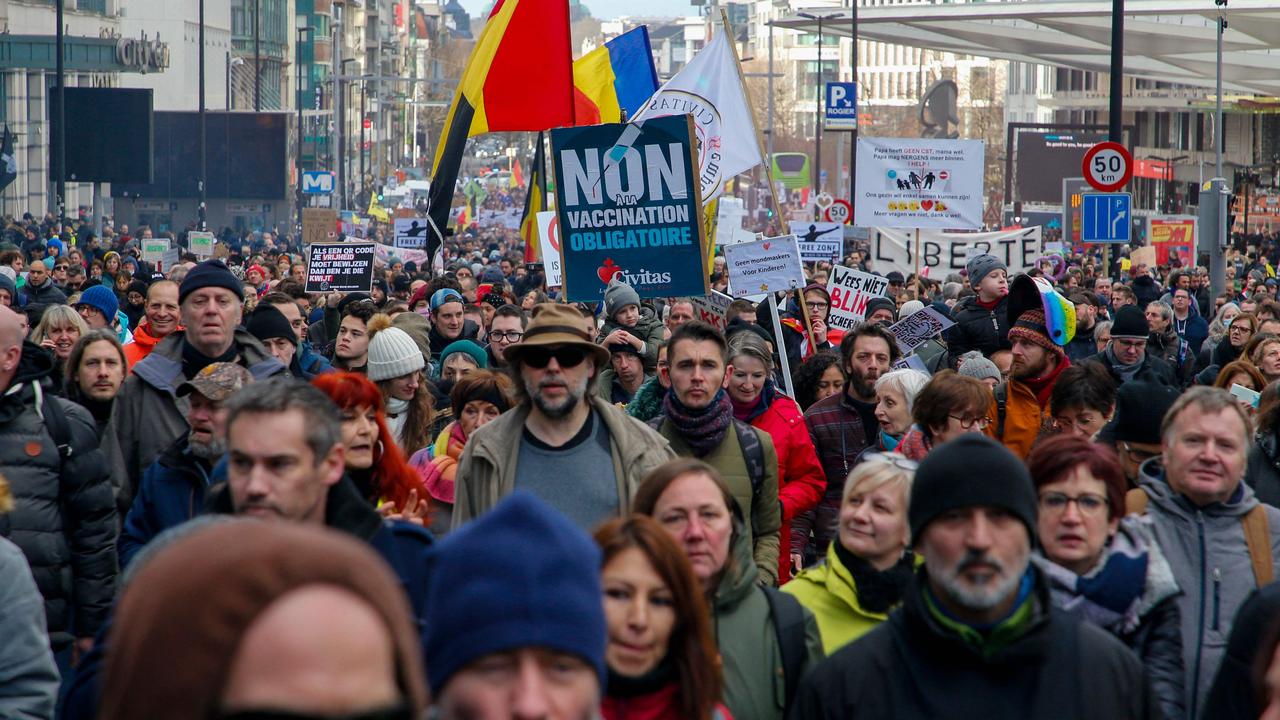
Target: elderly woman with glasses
{"points": [[1102, 566], [950, 405], [870, 565]]}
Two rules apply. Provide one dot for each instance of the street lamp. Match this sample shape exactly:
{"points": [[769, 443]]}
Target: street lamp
{"points": [[297, 60], [231, 62], [817, 113]]}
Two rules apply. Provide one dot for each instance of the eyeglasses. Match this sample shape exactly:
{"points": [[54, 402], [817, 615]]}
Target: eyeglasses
{"points": [[1241, 328], [510, 335], [894, 459], [969, 423], [566, 356], [1055, 503]]}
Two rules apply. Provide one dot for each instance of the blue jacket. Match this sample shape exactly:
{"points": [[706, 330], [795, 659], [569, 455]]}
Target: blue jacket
{"points": [[307, 363], [171, 493]]}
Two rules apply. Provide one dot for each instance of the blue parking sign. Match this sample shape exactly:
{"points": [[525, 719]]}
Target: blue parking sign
{"points": [[841, 106], [1106, 217]]}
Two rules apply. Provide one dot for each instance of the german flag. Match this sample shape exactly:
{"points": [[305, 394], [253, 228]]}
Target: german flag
{"points": [[534, 203], [519, 77]]}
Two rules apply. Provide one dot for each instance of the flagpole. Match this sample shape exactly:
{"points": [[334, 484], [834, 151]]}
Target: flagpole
{"points": [[733, 47]]}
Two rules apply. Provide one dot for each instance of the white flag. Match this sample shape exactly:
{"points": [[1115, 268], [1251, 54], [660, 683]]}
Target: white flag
{"points": [[710, 89]]}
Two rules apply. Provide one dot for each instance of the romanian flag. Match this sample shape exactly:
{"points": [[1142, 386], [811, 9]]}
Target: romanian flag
{"points": [[519, 77], [534, 203], [618, 76]]}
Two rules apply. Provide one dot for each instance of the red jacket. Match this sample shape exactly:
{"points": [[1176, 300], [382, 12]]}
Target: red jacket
{"points": [[801, 480], [143, 343]]}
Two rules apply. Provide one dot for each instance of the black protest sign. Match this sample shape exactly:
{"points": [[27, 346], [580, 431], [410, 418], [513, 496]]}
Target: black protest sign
{"points": [[341, 267]]}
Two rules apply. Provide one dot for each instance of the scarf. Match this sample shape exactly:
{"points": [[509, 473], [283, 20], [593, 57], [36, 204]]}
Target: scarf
{"points": [[878, 590], [1043, 385], [193, 361], [1110, 595], [702, 429], [987, 640], [1126, 372], [750, 411], [397, 414]]}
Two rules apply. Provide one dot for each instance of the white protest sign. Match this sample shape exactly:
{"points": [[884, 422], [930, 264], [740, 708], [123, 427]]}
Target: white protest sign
{"points": [[819, 240], [712, 309], [763, 266], [850, 291], [549, 232], [919, 183], [170, 258], [200, 243], [729, 217], [153, 250], [912, 362], [915, 329], [411, 233], [943, 253]]}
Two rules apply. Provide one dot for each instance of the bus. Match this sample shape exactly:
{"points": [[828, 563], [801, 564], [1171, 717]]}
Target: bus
{"points": [[792, 170]]}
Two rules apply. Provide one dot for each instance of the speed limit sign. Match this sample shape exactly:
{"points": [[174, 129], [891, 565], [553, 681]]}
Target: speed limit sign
{"points": [[839, 212], [1108, 166]]}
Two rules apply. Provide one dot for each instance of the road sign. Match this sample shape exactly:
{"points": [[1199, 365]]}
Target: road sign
{"points": [[317, 182], [1106, 217], [1108, 166], [842, 106], [839, 212]]}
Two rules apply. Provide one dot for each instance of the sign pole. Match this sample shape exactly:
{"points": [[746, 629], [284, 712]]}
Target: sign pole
{"points": [[782, 351], [917, 254]]}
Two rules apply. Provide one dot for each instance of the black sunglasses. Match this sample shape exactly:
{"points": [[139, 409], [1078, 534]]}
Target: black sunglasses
{"points": [[566, 356]]}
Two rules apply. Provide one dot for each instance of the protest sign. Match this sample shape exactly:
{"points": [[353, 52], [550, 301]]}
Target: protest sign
{"points": [[919, 183], [911, 362], [385, 254], [411, 233], [357, 228], [942, 253], [763, 266], [915, 329], [850, 291], [342, 267], [730, 214], [200, 243], [630, 208], [1143, 256], [153, 250], [319, 225], [712, 309], [819, 241], [552, 265], [170, 258]]}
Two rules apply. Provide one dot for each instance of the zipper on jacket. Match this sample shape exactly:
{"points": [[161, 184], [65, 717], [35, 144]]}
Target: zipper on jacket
{"points": [[1217, 586], [1195, 670]]}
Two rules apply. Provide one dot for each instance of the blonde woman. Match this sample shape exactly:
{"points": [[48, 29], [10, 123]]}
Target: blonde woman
{"points": [[59, 329]]}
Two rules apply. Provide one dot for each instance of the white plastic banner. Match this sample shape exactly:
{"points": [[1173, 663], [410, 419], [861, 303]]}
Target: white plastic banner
{"points": [[919, 183], [943, 253]]}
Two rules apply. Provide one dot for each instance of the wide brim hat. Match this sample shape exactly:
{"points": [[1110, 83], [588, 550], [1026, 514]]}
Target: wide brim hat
{"points": [[557, 325], [1033, 293]]}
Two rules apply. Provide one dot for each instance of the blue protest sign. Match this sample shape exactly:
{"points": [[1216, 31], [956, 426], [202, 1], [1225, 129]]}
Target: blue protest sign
{"points": [[629, 207]]}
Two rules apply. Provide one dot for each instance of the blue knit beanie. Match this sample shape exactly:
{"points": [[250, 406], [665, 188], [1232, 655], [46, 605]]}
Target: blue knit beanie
{"points": [[102, 298], [521, 575]]}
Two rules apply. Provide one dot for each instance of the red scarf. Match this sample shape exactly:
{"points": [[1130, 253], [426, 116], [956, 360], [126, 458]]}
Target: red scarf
{"points": [[988, 306], [1043, 385]]}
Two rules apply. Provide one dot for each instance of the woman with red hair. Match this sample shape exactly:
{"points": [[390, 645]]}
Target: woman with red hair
{"points": [[373, 459]]}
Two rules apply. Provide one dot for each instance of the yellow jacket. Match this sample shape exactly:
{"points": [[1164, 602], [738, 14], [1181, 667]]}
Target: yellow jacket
{"points": [[827, 590]]}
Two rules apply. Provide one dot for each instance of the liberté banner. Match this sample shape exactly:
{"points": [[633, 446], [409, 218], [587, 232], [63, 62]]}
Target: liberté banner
{"points": [[943, 253], [629, 207], [919, 183]]}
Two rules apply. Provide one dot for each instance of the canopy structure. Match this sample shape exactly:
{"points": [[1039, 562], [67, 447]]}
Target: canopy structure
{"points": [[1170, 41]]}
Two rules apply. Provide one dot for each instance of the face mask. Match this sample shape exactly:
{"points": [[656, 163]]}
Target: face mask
{"points": [[424, 312]]}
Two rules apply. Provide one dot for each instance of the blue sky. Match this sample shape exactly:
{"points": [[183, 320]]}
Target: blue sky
{"points": [[606, 9]]}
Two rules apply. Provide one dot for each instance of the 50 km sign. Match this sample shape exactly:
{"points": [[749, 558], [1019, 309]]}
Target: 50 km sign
{"points": [[1108, 166]]}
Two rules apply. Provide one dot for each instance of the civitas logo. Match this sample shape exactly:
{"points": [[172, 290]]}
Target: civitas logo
{"points": [[610, 270]]}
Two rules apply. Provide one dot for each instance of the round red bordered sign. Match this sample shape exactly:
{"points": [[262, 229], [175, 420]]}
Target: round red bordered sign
{"points": [[1108, 166]]}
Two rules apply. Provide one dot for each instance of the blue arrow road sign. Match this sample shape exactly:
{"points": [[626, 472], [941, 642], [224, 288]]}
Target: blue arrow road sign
{"points": [[1106, 217], [842, 106]]}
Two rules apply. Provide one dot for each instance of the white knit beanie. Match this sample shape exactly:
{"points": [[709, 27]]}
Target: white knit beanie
{"points": [[392, 354]]}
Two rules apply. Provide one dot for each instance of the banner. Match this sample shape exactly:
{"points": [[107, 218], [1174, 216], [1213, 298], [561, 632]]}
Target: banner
{"points": [[915, 329], [549, 231], [1173, 236], [763, 266], [712, 309], [850, 291], [819, 241], [341, 267], [630, 209], [943, 253], [919, 183], [411, 233]]}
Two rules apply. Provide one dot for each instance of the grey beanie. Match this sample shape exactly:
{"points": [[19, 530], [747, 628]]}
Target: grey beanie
{"points": [[617, 296], [980, 266], [974, 365], [7, 283]]}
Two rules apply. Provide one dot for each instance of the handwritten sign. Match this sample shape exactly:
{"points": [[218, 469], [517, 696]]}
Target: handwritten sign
{"points": [[712, 309], [915, 329], [764, 265], [342, 267], [850, 292]]}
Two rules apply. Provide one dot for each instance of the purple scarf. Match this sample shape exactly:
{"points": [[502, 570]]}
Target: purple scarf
{"points": [[702, 429]]}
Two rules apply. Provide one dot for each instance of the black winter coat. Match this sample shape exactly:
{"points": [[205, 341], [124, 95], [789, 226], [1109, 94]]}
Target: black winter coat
{"points": [[978, 328], [912, 667], [64, 517], [1158, 643], [1233, 695], [1153, 370], [1263, 471]]}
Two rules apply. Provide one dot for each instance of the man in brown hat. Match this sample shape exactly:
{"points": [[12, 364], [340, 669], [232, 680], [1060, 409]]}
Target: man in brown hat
{"points": [[1021, 404], [562, 443]]}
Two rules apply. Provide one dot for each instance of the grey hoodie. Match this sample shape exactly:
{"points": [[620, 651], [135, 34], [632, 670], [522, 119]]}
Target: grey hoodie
{"points": [[1206, 549], [28, 676]]}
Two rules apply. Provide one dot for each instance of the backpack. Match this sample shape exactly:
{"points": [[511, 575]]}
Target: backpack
{"points": [[752, 451], [788, 624], [1257, 536]]}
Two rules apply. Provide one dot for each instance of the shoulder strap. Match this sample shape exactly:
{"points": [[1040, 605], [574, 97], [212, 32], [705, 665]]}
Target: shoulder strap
{"points": [[788, 624], [752, 453], [1002, 405], [656, 422], [56, 421], [1258, 537], [1135, 502]]}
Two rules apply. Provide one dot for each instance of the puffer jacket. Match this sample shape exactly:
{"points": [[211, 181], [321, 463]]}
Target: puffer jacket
{"points": [[40, 298], [648, 329], [978, 328], [829, 591], [1175, 352], [647, 403], [1153, 369], [171, 493], [754, 682], [64, 518], [149, 416], [1206, 548], [487, 469]]}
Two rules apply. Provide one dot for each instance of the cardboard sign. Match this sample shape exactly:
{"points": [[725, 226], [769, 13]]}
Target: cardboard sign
{"points": [[763, 266], [153, 250], [200, 243], [629, 206], [342, 267], [319, 225], [919, 183], [411, 233], [915, 329], [819, 241], [712, 309], [850, 292], [552, 265]]}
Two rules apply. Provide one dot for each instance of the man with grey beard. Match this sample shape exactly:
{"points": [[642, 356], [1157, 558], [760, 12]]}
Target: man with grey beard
{"points": [[562, 443], [173, 487], [977, 635]]}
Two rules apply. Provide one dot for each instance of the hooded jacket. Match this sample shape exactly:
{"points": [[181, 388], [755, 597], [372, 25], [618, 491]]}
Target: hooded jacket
{"points": [[978, 328], [1206, 548], [171, 493], [64, 518], [1233, 695], [829, 591], [149, 416], [487, 469]]}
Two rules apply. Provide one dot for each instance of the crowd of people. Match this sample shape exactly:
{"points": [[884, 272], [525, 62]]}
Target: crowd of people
{"points": [[459, 496]]}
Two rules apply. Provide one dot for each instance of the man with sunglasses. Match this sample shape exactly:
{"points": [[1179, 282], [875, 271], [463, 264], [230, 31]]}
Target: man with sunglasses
{"points": [[570, 448]]}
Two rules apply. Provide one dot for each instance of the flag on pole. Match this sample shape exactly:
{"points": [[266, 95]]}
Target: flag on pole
{"points": [[8, 160], [710, 89], [519, 77], [517, 175], [534, 203], [614, 78]]}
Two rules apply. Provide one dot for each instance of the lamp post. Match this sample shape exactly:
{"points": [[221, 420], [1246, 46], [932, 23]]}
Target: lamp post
{"points": [[60, 138], [297, 60], [257, 57], [817, 113]]}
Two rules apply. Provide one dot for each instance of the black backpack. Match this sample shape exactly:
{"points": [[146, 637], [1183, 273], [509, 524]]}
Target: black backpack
{"points": [[788, 624], [752, 452]]}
